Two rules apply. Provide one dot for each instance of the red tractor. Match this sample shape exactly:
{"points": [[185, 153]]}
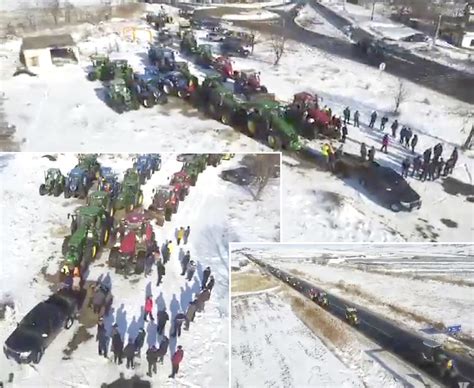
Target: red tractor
{"points": [[305, 113], [135, 240], [181, 182], [223, 65], [165, 202], [247, 82]]}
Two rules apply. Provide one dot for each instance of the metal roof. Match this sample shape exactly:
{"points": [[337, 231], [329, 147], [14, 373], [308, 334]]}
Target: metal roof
{"points": [[47, 41]]}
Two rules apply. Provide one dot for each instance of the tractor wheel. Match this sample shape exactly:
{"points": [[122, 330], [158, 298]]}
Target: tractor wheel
{"points": [[140, 263], [263, 89], [226, 118], [65, 245], [182, 94], [148, 102], [73, 226], [212, 111], [114, 257], [82, 192], [57, 190], [105, 235], [167, 89], [69, 322], [168, 214], [194, 179], [38, 355], [67, 192], [42, 190], [245, 53], [182, 195], [274, 141], [92, 76], [90, 252], [140, 199]]}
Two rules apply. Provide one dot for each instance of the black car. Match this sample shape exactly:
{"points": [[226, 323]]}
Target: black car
{"points": [[241, 176], [234, 46], [40, 326]]}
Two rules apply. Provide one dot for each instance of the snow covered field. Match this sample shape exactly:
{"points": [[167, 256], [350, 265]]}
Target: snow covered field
{"points": [[418, 285], [32, 229], [311, 20]]}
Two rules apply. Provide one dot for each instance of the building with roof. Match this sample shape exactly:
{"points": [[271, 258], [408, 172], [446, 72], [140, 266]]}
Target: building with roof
{"points": [[48, 50]]}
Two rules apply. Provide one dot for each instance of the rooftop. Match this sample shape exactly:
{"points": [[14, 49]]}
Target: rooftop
{"points": [[47, 41]]}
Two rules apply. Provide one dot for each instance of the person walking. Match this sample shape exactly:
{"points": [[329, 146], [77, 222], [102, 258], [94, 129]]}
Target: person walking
{"points": [[454, 157], [117, 344], [356, 119], [414, 142], [139, 341], [202, 298], [347, 115], [190, 269], [152, 358], [164, 343], [170, 247], [176, 361], [184, 262], [162, 317], [205, 276], [148, 308], [437, 151], [394, 128], [405, 167], [372, 154], [408, 135], [186, 235], [403, 132], [190, 313], [161, 270], [384, 143], [373, 117], [416, 166], [424, 171], [383, 122], [427, 155], [439, 168], [149, 262], [363, 151], [129, 353], [344, 133], [178, 323], [165, 253], [101, 337], [210, 284], [180, 235]]}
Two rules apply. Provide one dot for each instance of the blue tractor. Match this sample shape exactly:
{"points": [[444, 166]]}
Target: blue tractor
{"points": [[148, 89], [77, 183], [108, 181], [176, 83], [163, 58], [144, 167], [155, 162]]}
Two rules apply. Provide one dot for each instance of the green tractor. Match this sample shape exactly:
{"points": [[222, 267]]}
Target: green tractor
{"points": [[122, 70], [203, 55], [54, 182], [192, 170], [119, 97], [130, 196], [188, 44], [96, 220], [102, 68], [102, 199], [90, 164], [80, 248]]}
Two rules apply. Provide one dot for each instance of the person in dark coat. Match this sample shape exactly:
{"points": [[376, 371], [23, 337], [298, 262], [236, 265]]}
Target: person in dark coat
{"points": [[448, 167], [161, 270], [210, 284], [439, 167], [414, 142], [178, 323], [190, 269], [129, 353], [424, 171], [149, 261], [363, 151], [102, 338], [394, 128], [176, 361], [437, 151], [205, 276], [186, 235], [162, 317], [371, 154], [384, 143], [454, 156], [163, 348], [427, 155], [347, 115], [403, 133], [373, 117], [202, 298], [356, 118], [344, 133], [383, 122], [432, 169], [165, 253], [405, 167], [408, 135], [184, 262], [190, 313], [139, 341], [152, 358], [117, 345], [416, 166]]}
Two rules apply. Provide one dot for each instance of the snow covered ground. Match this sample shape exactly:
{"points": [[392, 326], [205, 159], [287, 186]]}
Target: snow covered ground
{"points": [[281, 339], [251, 15], [418, 285], [32, 229], [311, 20]]}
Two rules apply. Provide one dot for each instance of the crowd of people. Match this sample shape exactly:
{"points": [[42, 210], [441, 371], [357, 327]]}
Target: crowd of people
{"points": [[180, 319]]}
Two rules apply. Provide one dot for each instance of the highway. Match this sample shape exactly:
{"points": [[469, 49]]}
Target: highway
{"points": [[386, 333]]}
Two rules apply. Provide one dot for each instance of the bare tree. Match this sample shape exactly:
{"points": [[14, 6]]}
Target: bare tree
{"points": [[68, 10], [278, 45], [400, 96], [54, 8], [264, 168]]}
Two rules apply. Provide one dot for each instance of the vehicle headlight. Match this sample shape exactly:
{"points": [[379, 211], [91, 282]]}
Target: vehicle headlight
{"points": [[25, 354]]}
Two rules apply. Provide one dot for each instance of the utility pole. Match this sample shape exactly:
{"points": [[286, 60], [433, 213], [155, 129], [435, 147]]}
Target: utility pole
{"points": [[437, 31], [373, 10]]}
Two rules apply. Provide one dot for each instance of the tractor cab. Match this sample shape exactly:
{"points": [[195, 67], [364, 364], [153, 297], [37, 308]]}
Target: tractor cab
{"points": [[224, 66], [103, 200], [351, 316], [118, 87], [90, 217], [99, 60], [305, 100], [131, 175], [52, 175], [76, 177], [74, 250], [162, 195], [434, 354]]}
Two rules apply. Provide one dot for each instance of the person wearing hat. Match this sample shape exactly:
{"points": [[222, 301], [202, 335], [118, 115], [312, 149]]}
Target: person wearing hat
{"points": [[186, 235], [129, 353], [117, 344], [102, 338], [210, 284], [176, 360], [205, 276], [152, 358]]}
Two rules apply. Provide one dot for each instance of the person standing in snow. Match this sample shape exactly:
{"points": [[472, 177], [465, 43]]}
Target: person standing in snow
{"points": [[372, 154], [205, 276], [439, 168], [178, 323], [129, 353], [437, 151], [344, 133], [454, 156], [162, 317], [149, 261], [202, 298], [347, 115], [414, 142], [170, 247], [190, 313], [176, 360], [190, 269], [384, 143], [363, 151], [152, 358], [186, 234], [448, 167], [148, 308], [394, 128], [210, 284], [139, 341], [405, 167], [117, 344], [163, 348], [373, 117], [408, 135], [165, 253], [356, 119], [416, 166], [101, 337], [427, 155], [180, 235], [424, 171], [161, 270], [383, 122], [184, 262]]}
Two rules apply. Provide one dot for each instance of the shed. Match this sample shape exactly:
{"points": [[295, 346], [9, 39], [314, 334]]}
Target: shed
{"points": [[48, 50]]}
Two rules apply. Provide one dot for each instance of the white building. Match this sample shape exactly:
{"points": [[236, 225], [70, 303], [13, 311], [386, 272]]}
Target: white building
{"points": [[48, 50]]}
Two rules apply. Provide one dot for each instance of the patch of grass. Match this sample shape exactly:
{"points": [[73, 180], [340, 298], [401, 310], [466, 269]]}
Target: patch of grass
{"points": [[251, 281]]}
